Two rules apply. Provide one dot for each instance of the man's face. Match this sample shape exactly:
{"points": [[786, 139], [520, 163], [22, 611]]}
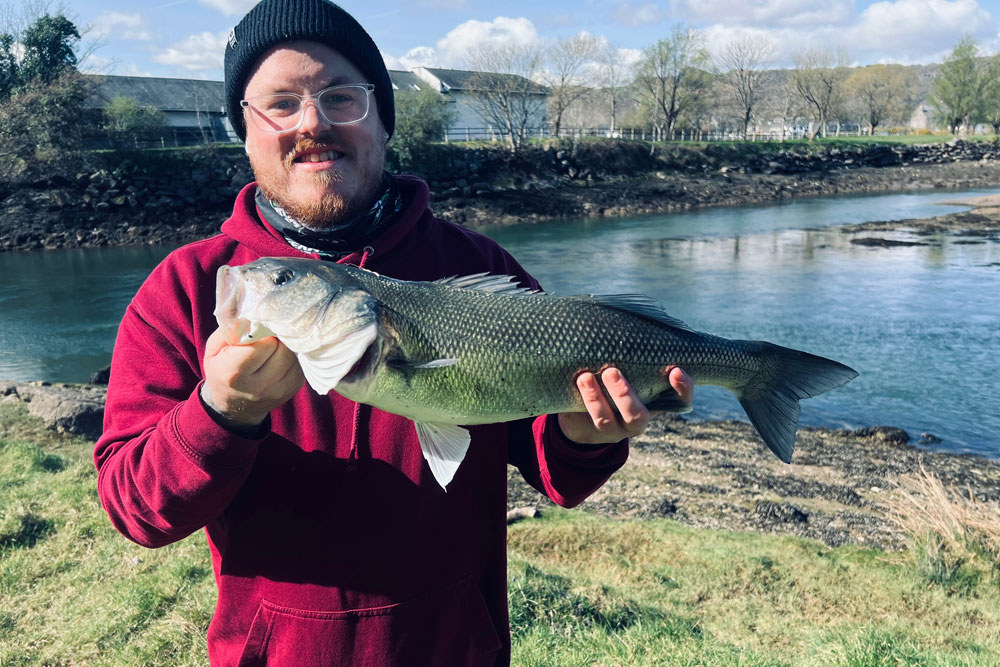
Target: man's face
{"points": [[346, 179]]}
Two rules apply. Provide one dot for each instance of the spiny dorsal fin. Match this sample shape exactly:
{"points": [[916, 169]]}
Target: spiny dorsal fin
{"points": [[486, 282], [636, 304]]}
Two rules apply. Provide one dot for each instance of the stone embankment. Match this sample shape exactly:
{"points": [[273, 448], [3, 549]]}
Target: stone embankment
{"points": [[134, 203]]}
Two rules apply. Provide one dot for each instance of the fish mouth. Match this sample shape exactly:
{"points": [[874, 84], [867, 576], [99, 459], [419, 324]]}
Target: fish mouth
{"points": [[228, 299]]}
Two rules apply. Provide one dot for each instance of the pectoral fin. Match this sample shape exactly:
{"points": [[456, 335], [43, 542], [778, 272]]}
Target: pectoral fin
{"points": [[444, 446], [325, 366]]}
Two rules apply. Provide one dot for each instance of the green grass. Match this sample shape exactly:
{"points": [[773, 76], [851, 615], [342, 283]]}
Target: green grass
{"points": [[584, 590]]}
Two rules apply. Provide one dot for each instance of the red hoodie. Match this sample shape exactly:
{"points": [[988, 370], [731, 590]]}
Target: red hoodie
{"points": [[331, 542]]}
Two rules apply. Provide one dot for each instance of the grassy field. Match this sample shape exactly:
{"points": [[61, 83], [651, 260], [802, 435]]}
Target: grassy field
{"points": [[584, 590]]}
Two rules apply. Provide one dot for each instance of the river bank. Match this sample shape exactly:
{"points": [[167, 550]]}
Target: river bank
{"points": [[479, 187], [839, 488]]}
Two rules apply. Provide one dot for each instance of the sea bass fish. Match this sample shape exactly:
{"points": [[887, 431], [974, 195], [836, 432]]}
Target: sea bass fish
{"points": [[479, 349]]}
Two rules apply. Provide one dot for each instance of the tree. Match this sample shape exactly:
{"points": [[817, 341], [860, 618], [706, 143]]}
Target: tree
{"points": [[9, 72], [958, 89], [744, 61], [817, 79], [422, 118], [564, 75], [506, 96], [672, 75], [125, 120], [991, 95], [611, 78], [48, 48], [880, 93], [40, 126]]}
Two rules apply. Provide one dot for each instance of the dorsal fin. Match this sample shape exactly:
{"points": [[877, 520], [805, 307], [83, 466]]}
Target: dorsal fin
{"points": [[485, 282], [636, 304]]}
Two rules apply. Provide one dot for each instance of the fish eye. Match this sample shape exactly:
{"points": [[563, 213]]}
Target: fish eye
{"points": [[281, 276]]}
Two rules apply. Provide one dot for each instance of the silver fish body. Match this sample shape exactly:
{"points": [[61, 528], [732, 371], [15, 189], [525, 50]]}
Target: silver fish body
{"points": [[479, 349]]}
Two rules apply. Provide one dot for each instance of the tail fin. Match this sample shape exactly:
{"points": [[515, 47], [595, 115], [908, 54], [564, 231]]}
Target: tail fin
{"points": [[773, 403]]}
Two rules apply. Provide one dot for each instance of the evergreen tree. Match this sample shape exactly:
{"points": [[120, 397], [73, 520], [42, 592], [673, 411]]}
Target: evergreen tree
{"points": [[49, 45]]}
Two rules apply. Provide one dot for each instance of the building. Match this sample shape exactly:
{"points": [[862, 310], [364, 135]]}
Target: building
{"points": [[467, 91], [194, 110], [402, 80]]}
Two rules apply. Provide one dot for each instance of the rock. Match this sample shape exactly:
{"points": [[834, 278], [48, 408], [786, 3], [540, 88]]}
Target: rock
{"points": [[887, 434], [767, 511], [875, 242], [78, 410], [520, 513], [102, 376]]}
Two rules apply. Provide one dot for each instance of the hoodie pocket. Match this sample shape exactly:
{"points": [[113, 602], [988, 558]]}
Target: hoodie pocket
{"points": [[450, 626]]}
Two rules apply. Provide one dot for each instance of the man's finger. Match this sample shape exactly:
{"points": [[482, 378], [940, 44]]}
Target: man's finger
{"points": [[681, 382], [634, 415], [600, 411]]}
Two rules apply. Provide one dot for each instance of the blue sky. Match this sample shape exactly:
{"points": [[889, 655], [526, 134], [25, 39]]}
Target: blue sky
{"points": [[185, 38]]}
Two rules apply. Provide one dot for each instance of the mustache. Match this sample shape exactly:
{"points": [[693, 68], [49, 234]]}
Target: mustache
{"points": [[306, 144]]}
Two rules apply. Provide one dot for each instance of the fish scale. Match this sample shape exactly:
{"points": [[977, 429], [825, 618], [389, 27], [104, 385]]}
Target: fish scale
{"points": [[479, 349]]}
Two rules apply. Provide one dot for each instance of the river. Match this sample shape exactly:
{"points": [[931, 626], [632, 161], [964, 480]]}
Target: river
{"points": [[921, 323]]}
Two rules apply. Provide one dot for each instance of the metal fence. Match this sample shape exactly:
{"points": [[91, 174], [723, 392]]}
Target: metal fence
{"points": [[646, 134]]}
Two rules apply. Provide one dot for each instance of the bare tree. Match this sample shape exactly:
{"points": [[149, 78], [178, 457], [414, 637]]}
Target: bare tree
{"points": [[612, 78], [672, 76], [880, 93], [506, 95], [817, 78], [565, 73], [744, 62]]}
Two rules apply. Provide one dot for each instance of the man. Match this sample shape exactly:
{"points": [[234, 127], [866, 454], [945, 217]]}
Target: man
{"points": [[331, 542]]}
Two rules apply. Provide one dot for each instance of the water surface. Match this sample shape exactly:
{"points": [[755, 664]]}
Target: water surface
{"points": [[921, 324]]}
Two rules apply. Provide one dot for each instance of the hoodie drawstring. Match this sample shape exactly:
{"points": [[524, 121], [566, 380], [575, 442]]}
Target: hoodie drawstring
{"points": [[359, 408]]}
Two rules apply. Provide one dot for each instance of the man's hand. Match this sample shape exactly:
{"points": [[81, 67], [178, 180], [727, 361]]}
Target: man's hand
{"points": [[605, 423], [243, 383]]}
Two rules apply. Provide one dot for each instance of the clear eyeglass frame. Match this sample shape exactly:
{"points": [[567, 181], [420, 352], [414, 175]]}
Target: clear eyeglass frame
{"points": [[268, 124]]}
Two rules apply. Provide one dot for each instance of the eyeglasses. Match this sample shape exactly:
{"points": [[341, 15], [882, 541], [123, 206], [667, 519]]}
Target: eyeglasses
{"points": [[283, 112]]}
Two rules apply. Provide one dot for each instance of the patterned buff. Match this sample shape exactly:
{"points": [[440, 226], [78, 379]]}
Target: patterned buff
{"points": [[339, 240]]}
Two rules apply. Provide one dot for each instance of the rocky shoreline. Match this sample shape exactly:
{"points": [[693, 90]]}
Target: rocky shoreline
{"points": [[711, 474], [719, 475], [669, 193], [479, 187]]}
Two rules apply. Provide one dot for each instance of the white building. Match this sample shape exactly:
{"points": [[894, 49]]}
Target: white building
{"points": [[463, 89]]}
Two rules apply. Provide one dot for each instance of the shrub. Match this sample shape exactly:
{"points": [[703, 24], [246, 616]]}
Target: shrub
{"points": [[421, 119]]}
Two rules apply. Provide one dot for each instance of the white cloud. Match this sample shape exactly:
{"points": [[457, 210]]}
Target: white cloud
{"points": [[392, 62], [203, 51], [119, 25], [771, 13], [645, 14], [452, 49], [891, 31], [906, 26], [230, 7]]}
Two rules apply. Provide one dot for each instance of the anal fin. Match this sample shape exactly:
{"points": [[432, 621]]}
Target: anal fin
{"points": [[668, 400]]}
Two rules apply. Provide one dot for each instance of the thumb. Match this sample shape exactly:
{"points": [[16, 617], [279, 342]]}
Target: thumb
{"points": [[215, 343]]}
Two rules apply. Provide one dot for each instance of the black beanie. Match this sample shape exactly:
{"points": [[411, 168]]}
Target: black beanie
{"points": [[272, 22]]}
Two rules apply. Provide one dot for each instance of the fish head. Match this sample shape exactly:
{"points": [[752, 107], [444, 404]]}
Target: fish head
{"points": [[317, 309]]}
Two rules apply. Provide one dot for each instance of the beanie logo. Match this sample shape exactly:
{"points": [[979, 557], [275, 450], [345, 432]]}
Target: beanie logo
{"points": [[232, 39]]}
